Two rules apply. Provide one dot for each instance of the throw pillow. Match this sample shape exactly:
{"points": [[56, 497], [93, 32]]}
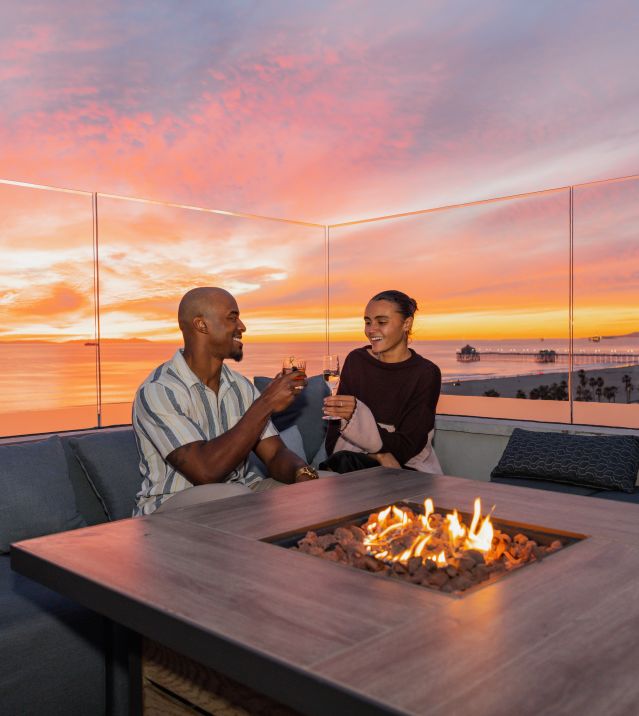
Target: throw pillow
{"points": [[37, 497], [606, 462], [305, 412], [111, 462], [292, 438]]}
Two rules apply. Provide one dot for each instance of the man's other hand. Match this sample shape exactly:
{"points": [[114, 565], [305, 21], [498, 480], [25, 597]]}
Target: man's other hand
{"points": [[281, 391]]}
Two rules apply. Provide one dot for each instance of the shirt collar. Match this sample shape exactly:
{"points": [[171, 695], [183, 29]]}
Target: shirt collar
{"points": [[181, 367]]}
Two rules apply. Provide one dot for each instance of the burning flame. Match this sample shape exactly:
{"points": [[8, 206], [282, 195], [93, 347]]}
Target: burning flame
{"points": [[483, 539], [398, 535]]}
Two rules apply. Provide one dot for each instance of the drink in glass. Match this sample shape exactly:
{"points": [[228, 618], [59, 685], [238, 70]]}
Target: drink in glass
{"points": [[292, 363], [330, 371]]}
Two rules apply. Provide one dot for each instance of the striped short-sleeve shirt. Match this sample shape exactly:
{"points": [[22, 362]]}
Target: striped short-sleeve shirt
{"points": [[173, 408]]}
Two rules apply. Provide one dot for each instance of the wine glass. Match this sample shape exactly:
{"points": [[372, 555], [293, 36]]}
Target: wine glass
{"points": [[291, 363], [331, 372]]}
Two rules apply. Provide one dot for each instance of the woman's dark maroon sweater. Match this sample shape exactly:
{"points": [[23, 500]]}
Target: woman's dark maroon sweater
{"points": [[402, 394]]}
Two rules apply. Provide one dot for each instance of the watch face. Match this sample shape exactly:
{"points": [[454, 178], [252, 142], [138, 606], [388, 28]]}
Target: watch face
{"points": [[309, 471]]}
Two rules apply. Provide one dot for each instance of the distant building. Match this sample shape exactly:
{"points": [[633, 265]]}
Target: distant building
{"points": [[468, 353], [546, 356]]}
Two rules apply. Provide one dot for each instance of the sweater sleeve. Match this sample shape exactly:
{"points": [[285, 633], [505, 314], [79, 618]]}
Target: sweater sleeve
{"points": [[418, 419]]}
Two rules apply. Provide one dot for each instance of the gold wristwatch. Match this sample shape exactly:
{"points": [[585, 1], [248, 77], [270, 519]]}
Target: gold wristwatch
{"points": [[307, 470]]}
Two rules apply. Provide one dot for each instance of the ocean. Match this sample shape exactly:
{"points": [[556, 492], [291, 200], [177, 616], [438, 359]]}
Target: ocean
{"points": [[50, 376]]}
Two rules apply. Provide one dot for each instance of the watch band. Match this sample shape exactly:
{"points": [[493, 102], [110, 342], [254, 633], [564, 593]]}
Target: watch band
{"points": [[307, 470]]}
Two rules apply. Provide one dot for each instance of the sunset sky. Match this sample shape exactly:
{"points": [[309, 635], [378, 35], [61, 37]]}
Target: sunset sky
{"points": [[322, 112]]}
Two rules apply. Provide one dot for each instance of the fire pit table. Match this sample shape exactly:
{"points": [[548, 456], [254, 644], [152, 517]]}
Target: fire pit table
{"points": [[211, 584]]}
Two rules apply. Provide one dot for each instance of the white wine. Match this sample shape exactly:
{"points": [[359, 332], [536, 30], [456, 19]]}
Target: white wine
{"points": [[332, 378], [331, 371]]}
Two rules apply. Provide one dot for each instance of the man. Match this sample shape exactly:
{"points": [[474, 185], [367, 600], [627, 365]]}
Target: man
{"points": [[196, 420]]}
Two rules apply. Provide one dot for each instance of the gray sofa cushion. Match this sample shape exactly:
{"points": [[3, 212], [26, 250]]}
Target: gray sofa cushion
{"points": [[110, 461], [291, 438], [602, 462], [36, 495], [547, 485], [630, 498], [51, 651], [85, 498], [305, 412]]}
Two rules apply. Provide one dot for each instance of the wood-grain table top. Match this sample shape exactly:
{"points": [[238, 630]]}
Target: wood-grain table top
{"points": [[560, 636]]}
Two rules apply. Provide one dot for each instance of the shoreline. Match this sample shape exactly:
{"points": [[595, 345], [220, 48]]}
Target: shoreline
{"points": [[507, 386]]}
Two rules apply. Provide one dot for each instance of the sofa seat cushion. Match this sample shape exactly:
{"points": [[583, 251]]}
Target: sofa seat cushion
{"points": [[631, 498], [305, 411], [548, 485], [603, 462], [111, 463], [616, 496], [36, 497], [51, 651]]}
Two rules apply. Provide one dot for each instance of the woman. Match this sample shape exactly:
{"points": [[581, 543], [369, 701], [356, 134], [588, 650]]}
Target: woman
{"points": [[387, 396]]}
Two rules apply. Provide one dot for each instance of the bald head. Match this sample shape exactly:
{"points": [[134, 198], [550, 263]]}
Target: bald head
{"points": [[210, 322], [199, 302]]}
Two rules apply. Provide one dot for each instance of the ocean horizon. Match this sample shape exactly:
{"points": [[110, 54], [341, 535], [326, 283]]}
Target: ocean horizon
{"points": [[45, 376]]}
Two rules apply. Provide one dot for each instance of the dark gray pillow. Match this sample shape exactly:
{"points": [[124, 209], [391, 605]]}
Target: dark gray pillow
{"points": [[37, 497], [111, 463], [305, 412], [291, 438], [606, 462]]}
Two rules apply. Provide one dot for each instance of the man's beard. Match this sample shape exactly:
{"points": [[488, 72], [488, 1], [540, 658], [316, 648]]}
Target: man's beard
{"points": [[237, 355]]}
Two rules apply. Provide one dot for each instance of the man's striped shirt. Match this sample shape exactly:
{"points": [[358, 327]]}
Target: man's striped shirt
{"points": [[173, 408]]}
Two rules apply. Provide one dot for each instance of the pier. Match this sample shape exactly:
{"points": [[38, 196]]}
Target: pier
{"points": [[547, 356]]}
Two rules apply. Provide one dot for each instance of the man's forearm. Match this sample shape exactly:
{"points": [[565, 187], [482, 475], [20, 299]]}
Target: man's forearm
{"points": [[284, 465], [209, 461]]}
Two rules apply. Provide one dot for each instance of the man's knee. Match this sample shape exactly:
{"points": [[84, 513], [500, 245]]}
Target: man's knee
{"points": [[203, 493]]}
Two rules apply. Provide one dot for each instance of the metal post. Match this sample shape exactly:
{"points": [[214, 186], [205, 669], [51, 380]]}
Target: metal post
{"points": [[96, 308], [571, 298], [327, 278]]}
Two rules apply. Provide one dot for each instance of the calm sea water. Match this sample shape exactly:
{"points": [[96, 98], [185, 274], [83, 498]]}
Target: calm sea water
{"points": [[37, 376]]}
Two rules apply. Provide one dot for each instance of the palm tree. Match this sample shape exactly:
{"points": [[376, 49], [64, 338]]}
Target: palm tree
{"points": [[562, 391], [627, 381], [544, 392], [599, 388], [609, 393], [582, 377]]}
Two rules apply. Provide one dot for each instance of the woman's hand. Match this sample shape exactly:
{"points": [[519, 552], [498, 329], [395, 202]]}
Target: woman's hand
{"points": [[386, 459], [340, 406]]}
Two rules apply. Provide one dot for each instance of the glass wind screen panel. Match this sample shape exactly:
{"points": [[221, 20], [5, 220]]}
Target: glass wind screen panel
{"points": [[606, 304], [47, 345], [150, 255], [492, 286]]}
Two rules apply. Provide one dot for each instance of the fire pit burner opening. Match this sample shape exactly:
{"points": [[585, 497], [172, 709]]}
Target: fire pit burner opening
{"points": [[451, 552]]}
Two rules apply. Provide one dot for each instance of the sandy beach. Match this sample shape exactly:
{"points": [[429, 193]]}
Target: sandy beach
{"points": [[507, 387]]}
